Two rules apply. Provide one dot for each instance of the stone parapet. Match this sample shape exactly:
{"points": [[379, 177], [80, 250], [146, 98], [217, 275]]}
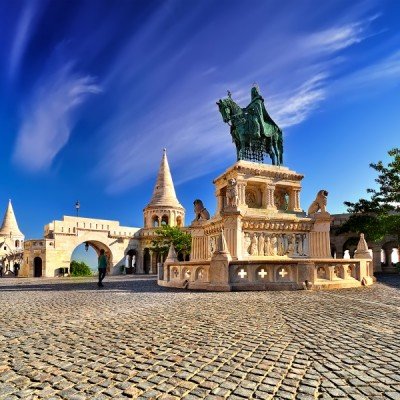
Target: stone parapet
{"points": [[222, 274]]}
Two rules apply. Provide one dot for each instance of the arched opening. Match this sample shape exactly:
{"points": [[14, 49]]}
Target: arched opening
{"points": [[182, 256], [349, 247], [333, 251], [179, 221], [17, 244], [88, 252], [37, 267], [130, 262], [390, 254], [146, 261], [155, 221], [164, 220]]}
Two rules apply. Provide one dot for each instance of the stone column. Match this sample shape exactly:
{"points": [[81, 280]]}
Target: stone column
{"points": [[151, 262], [296, 200], [139, 262], [270, 199], [376, 257], [320, 246], [220, 201]]}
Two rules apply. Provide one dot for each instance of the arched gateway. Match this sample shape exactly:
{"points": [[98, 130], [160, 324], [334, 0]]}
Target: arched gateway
{"points": [[128, 249], [63, 237]]}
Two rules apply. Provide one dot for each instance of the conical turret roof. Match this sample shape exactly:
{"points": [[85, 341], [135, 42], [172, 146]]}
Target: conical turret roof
{"points": [[164, 191], [10, 225]]}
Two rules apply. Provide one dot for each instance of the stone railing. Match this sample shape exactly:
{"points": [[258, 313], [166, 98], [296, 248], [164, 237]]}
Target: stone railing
{"points": [[278, 274]]}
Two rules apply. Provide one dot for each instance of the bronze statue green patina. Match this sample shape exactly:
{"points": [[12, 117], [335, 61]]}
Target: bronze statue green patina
{"points": [[253, 131]]}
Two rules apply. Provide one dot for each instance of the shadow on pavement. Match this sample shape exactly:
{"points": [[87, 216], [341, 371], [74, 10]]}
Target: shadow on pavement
{"points": [[392, 280], [138, 286]]}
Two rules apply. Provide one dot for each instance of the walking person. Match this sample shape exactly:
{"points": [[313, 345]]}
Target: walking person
{"points": [[102, 265]]}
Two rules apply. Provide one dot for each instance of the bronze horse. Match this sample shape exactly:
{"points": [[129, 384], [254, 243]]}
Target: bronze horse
{"points": [[248, 135]]}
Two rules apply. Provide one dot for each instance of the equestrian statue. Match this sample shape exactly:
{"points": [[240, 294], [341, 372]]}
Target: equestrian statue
{"points": [[253, 131]]}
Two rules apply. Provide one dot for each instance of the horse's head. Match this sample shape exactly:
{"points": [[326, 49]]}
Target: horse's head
{"points": [[224, 109]]}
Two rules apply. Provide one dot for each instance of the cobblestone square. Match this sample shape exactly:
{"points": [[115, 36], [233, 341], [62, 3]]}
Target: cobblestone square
{"points": [[67, 339]]}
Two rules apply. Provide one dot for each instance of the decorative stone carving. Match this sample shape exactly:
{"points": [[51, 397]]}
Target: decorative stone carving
{"points": [[319, 203], [251, 199], [261, 244], [291, 245], [246, 242], [281, 200], [268, 246], [299, 244], [200, 211], [254, 245], [232, 193], [274, 245], [212, 245]]}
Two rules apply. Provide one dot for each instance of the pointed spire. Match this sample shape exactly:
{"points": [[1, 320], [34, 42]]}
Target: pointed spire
{"points": [[164, 191], [10, 225], [362, 248], [171, 257]]}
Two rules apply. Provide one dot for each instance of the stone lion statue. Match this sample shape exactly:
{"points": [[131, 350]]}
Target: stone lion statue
{"points": [[200, 211], [232, 194], [319, 203]]}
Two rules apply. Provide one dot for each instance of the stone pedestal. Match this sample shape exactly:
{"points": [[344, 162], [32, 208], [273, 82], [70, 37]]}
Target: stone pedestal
{"points": [[320, 246], [260, 239]]}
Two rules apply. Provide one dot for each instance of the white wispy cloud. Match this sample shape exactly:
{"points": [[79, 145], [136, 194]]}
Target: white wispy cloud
{"points": [[48, 118], [184, 117], [293, 108], [337, 38], [22, 36], [378, 75]]}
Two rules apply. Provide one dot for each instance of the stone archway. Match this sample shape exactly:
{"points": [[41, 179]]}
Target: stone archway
{"points": [[350, 245], [97, 245], [390, 250], [62, 237], [37, 267], [131, 260]]}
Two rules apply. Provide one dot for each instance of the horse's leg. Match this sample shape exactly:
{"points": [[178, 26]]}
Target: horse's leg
{"points": [[269, 150], [272, 155], [280, 147], [275, 149]]}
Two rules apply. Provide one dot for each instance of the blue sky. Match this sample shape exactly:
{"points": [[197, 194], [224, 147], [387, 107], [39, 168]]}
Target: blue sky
{"points": [[91, 91]]}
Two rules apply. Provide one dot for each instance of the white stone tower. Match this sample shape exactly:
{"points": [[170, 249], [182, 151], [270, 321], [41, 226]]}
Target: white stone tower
{"points": [[11, 239], [164, 207]]}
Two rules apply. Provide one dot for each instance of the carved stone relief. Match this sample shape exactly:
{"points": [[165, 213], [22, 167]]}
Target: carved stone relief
{"points": [[275, 244]]}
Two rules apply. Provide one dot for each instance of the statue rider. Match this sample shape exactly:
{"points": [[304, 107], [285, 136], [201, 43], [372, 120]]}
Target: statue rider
{"points": [[259, 114]]}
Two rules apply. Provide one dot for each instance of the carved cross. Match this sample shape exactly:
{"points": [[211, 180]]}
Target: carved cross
{"points": [[242, 273], [262, 273], [283, 272]]}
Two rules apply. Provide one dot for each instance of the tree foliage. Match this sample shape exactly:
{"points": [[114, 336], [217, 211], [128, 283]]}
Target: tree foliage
{"points": [[379, 215], [79, 268], [171, 234]]}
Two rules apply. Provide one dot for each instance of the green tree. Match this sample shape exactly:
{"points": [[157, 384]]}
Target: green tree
{"points": [[380, 215], [79, 268], [171, 234]]}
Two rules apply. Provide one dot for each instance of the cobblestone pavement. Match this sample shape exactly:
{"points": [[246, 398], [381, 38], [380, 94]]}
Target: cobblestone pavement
{"points": [[64, 338]]}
